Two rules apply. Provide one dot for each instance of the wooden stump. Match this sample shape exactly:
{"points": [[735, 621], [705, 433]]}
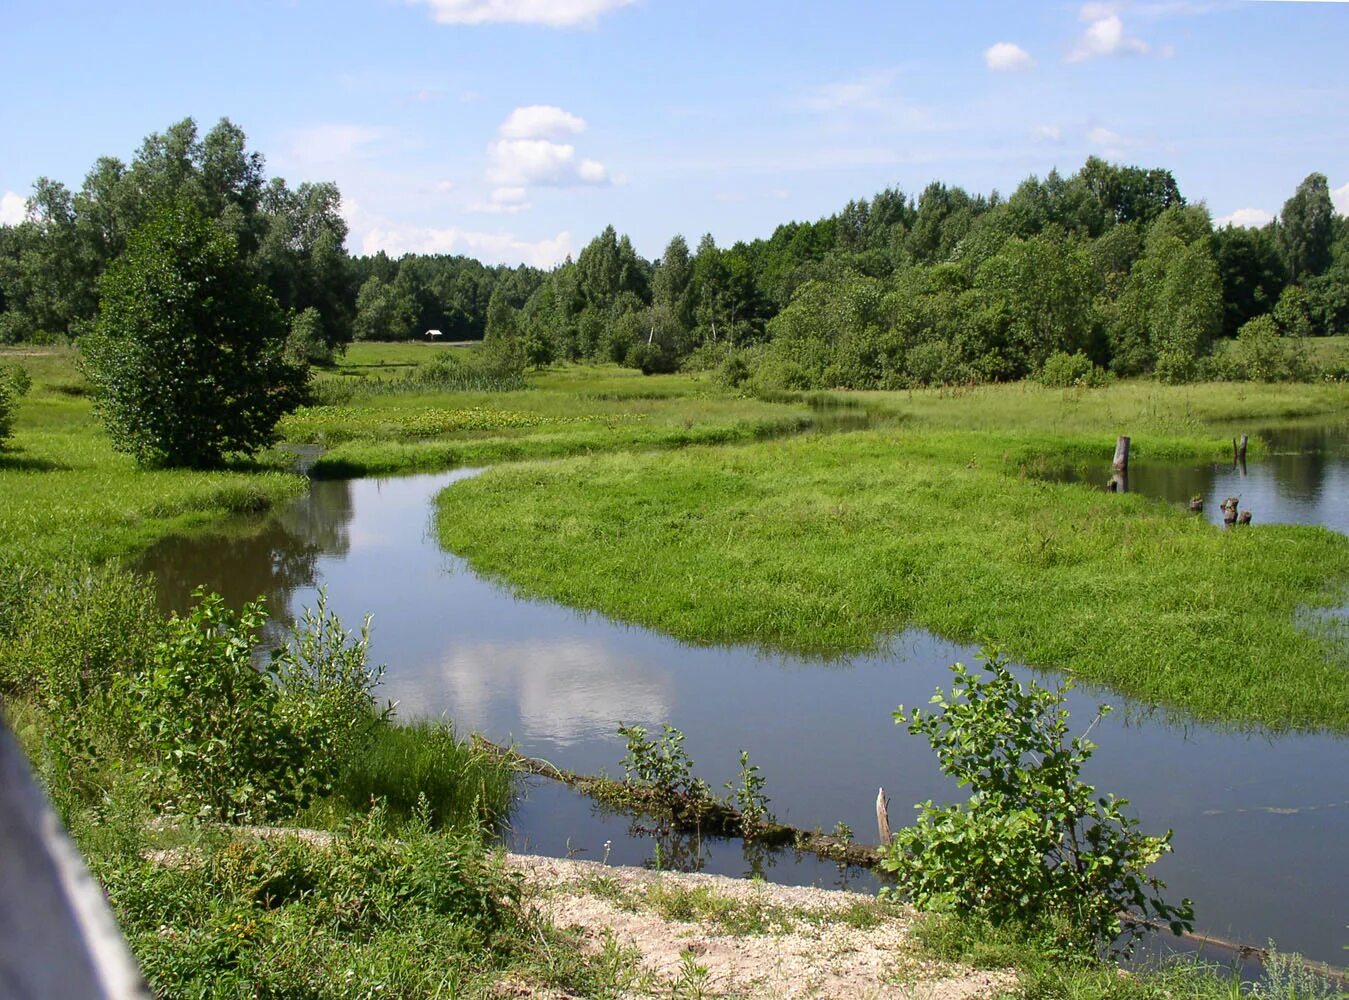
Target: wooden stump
{"points": [[1119, 483], [883, 817]]}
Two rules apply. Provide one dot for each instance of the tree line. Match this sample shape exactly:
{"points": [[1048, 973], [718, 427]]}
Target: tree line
{"points": [[1111, 266]]}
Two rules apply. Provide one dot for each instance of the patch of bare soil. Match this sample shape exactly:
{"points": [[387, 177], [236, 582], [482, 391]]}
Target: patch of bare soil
{"points": [[711, 936]]}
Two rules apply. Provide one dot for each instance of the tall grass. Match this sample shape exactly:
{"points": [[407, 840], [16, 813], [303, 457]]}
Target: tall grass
{"points": [[423, 766]]}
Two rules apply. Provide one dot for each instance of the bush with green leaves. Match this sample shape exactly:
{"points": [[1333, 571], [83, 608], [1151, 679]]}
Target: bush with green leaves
{"points": [[187, 359], [1062, 370], [14, 384], [1034, 843], [220, 736], [1261, 354]]}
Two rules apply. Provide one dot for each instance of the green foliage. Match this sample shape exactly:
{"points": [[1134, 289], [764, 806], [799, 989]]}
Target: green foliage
{"points": [[14, 383], [1260, 354], [661, 765], [748, 796], [352, 915], [422, 766], [1034, 842], [187, 357], [1064, 371], [306, 344], [226, 738], [1307, 228]]}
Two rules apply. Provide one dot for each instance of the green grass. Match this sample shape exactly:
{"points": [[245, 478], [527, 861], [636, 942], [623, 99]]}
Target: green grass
{"points": [[423, 766], [1045, 973], [829, 545], [64, 493], [567, 411]]}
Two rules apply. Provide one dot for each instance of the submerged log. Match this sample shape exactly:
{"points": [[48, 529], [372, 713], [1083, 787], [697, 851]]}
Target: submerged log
{"points": [[686, 813]]}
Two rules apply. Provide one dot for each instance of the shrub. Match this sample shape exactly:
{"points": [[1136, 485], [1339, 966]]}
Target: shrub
{"points": [[1260, 354], [14, 383], [223, 738], [1064, 371], [653, 358], [306, 344], [1034, 843]]}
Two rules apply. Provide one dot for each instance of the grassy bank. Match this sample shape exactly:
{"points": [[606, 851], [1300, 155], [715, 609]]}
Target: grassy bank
{"points": [[830, 544], [67, 494], [571, 410]]}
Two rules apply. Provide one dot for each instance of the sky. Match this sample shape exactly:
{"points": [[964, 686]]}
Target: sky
{"points": [[515, 130]]}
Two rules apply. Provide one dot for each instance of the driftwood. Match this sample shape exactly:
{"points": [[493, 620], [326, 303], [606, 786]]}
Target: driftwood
{"points": [[684, 812]]}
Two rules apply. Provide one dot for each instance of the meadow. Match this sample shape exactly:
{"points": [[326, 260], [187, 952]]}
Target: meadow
{"points": [[831, 544]]}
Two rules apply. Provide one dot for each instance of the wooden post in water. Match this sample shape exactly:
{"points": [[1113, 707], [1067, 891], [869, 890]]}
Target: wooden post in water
{"points": [[1244, 517], [883, 817], [1229, 509], [1119, 483], [1239, 452]]}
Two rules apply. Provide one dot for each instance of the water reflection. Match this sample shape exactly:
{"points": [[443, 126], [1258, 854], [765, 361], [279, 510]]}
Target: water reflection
{"points": [[1261, 824]]}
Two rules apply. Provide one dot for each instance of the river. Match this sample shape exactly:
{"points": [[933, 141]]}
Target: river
{"points": [[1261, 823]]}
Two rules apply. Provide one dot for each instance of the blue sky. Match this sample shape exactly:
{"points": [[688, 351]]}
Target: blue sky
{"points": [[514, 130]]}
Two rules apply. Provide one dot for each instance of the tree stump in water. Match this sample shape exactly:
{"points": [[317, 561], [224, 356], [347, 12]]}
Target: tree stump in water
{"points": [[1229, 509], [1244, 517], [1196, 505], [1119, 482], [883, 816]]}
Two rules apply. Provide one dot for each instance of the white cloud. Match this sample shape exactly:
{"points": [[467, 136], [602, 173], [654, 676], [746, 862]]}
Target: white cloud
{"points": [[325, 144], [1245, 217], [13, 209], [1101, 136], [504, 201], [523, 162], [1048, 133], [371, 232], [1340, 198], [526, 154], [551, 13], [1007, 57], [444, 187], [541, 121], [1104, 35]]}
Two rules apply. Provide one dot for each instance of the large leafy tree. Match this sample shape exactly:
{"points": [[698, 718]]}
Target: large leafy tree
{"points": [[187, 357], [1307, 228]]}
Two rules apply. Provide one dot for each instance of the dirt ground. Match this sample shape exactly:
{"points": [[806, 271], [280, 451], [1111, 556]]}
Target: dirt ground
{"points": [[711, 936]]}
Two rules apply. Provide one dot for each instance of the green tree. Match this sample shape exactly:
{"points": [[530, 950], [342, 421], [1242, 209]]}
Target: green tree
{"points": [[384, 311], [1307, 228], [187, 358]]}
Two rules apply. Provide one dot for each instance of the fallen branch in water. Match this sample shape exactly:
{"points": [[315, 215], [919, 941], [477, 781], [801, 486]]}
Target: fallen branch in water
{"points": [[688, 813]]}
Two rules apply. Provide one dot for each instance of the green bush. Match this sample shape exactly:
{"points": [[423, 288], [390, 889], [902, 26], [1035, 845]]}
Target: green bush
{"points": [[187, 359], [14, 384], [1260, 354], [305, 343], [1034, 844], [221, 737], [1065, 371]]}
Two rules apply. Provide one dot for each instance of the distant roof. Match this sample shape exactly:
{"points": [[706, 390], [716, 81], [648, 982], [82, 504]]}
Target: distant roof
{"points": [[434, 333]]}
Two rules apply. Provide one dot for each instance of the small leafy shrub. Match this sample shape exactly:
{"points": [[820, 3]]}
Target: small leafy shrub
{"points": [[1034, 843], [1260, 354], [305, 343], [652, 359], [662, 765], [748, 797], [221, 737], [14, 383], [493, 368], [1066, 371]]}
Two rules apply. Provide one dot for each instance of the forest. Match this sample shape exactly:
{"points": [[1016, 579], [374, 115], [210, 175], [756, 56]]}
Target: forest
{"points": [[1111, 271]]}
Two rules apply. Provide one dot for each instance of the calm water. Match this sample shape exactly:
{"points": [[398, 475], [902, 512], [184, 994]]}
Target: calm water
{"points": [[1261, 825]]}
